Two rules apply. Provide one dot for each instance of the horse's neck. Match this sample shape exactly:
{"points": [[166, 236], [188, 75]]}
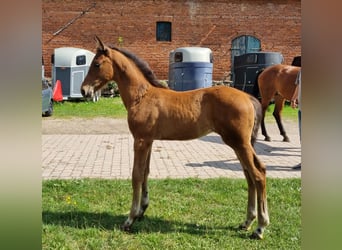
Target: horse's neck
{"points": [[131, 83]]}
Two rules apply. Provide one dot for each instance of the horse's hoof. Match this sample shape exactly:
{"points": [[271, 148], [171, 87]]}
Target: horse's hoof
{"points": [[286, 139], [126, 228], [257, 234], [267, 138]]}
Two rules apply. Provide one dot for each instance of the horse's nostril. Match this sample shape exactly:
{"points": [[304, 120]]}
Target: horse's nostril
{"points": [[82, 92]]}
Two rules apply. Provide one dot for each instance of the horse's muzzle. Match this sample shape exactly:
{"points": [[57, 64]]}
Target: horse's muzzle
{"points": [[87, 92]]}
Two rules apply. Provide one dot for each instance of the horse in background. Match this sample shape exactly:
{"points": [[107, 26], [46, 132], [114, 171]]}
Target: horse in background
{"points": [[155, 112], [276, 82]]}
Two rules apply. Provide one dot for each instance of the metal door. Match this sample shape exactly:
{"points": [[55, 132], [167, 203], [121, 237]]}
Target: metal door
{"points": [[77, 79], [244, 44]]}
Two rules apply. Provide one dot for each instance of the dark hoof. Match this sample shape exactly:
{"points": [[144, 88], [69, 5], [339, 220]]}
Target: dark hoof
{"points": [[126, 228], [267, 138], [286, 139], [297, 167], [257, 234]]}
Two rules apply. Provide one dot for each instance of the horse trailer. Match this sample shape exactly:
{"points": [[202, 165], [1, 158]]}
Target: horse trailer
{"points": [[190, 68], [70, 65], [247, 68], [297, 61]]}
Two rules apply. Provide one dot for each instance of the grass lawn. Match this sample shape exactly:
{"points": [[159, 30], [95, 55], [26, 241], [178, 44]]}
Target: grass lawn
{"points": [[288, 113], [114, 108], [105, 107], [183, 214]]}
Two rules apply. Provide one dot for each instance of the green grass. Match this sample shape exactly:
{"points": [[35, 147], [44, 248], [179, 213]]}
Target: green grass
{"points": [[105, 107], [183, 214], [114, 108], [288, 113]]}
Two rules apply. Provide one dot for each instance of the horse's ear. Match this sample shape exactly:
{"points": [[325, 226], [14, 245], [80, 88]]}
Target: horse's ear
{"points": [[101, 46], [99, 43]]}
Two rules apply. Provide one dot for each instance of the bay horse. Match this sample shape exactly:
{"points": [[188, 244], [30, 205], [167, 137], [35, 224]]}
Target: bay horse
{"points": [[155, 112], [278, 82]]}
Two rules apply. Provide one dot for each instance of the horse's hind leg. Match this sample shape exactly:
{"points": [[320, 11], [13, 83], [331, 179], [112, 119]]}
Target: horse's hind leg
{"points": [[142, 150], [251, 205], [278, 107], [255, 173]]}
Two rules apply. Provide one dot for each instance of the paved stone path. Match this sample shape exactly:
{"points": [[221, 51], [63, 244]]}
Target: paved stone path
{"points": [[110, 156]]}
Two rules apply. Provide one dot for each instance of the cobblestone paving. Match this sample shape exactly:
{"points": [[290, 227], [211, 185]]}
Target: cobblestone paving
{"points": [[110, 156]]}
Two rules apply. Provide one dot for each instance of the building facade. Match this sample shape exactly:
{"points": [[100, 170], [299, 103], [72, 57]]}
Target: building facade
{"points": [[152, 29]]}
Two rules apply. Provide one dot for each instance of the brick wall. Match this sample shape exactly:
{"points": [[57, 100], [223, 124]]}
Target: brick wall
{"points": [[213, 24]]}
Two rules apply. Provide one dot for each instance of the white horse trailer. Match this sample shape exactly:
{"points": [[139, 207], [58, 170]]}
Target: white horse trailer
{"points": [[190, 68], [70, 66]]}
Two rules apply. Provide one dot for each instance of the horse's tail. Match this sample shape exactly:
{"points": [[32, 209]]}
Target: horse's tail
{"points": [[256, 91], [257, 118]]}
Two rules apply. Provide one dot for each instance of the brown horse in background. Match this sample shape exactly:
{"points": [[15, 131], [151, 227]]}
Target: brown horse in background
{"points": [[158, 113], [278, 82]]}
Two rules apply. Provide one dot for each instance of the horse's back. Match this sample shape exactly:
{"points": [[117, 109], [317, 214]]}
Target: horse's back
{"points": [[205, 102], [278, 71], [279, 78], [226, 99], [190, 114], [218, 94]]}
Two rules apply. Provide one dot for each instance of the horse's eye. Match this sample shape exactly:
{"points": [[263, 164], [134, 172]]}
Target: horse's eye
{"points": [[97, 65]]}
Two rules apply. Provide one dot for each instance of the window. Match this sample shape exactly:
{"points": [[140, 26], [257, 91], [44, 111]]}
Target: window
{"points": [[178, 57], [163, 32], [211, 58], [80, 60], [252, 59]]}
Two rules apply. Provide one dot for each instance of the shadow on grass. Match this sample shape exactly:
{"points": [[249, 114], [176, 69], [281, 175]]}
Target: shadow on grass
{"points": [[106, 221]]}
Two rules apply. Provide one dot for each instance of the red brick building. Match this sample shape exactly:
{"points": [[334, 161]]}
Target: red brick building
{"points": [[151, 29]]}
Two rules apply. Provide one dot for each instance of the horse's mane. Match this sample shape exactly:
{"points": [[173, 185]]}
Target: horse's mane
{"points": [[143, 66]]}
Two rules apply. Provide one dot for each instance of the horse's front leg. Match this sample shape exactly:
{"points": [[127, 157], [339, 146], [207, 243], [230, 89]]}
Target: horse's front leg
{"points": [[142, 151], [144, 191]]}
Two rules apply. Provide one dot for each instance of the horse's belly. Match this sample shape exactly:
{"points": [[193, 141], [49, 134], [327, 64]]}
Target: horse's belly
{"points": [[175, 132]]}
